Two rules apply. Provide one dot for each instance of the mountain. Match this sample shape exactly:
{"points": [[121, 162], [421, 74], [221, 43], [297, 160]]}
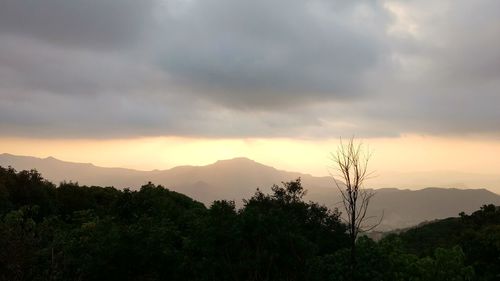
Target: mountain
{"points": [[226, 179], [238, 178], [441, 178], [406, 208]]}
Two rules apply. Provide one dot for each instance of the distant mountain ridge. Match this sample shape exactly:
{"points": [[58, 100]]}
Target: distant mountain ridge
{"points": [[238, 178]]}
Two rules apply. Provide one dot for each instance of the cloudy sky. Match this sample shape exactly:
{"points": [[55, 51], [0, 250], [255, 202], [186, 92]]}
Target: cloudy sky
{"points": [[165, 75]]}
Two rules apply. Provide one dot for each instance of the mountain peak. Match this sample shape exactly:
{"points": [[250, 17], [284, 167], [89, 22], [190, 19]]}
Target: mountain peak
{"points": [[239, 163], [236, 160], [51, 158]]}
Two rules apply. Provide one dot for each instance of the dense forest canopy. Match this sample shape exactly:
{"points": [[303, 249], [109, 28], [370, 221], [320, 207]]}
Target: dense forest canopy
{"points": [[72, 232]]}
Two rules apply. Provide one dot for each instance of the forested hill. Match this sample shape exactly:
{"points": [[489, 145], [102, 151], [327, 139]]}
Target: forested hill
{"points": [[72, 232], [477, 235], [236, 179]]}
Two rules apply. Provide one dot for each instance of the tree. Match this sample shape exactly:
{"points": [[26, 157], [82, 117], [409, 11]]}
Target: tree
{"points": [[351, 165]]}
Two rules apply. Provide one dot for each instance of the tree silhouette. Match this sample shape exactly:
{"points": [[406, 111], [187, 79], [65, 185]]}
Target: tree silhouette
{"points": [[351, 165]]}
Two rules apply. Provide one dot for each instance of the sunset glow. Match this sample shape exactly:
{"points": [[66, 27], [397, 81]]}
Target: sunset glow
{"points": [[389, 155]]}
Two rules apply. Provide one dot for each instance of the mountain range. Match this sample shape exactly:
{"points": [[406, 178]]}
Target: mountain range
{"points": [[238, 178]]}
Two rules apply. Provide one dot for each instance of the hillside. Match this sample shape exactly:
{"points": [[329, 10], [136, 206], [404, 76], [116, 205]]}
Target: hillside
{"points": [[238, 178], [477, 234], [72, 232]]}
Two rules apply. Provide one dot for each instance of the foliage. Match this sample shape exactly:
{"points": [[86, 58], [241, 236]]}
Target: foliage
{"points": [[73, 232], [478, 235]]}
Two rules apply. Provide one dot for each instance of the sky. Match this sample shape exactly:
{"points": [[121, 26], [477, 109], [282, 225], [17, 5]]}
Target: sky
{"points": [[158, 83]]}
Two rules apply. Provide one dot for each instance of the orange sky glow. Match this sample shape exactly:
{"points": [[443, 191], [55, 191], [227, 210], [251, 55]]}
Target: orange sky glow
{"points": [[392, 157]]}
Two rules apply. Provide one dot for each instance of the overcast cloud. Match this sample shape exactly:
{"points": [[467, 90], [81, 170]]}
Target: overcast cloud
{"points": [[263, 68]]}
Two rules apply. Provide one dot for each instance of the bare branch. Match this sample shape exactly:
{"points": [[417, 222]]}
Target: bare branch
{"points": [[350, 163]]}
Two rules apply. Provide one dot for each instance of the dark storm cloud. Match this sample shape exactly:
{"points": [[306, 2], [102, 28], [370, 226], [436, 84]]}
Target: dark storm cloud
{"points": [[31, 66], [267, 53], [94, 23], [52, 116], [225, 68]]}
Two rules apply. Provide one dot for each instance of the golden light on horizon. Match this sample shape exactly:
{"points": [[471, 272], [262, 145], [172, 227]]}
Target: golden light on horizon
{"points": [[405, 154]]}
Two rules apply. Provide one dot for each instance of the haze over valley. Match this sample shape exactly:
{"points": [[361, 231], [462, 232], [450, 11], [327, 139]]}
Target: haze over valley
{"points": [[237, 179]]}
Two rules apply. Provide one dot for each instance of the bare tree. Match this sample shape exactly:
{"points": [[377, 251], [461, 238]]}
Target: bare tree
{"points": [[351, 166]]}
